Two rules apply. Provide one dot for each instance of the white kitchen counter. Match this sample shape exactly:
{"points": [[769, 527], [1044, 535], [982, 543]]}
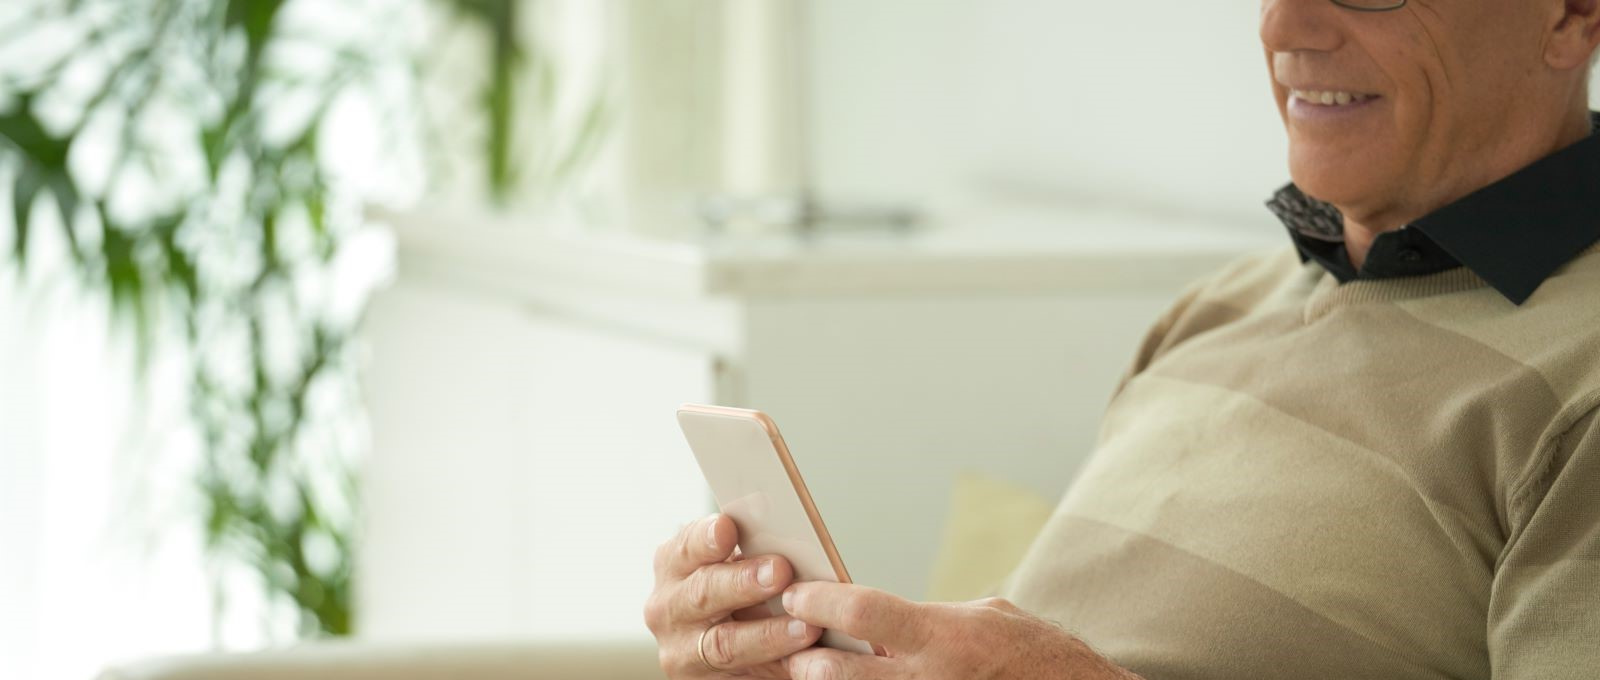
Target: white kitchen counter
{"points": [[1014, 251]]}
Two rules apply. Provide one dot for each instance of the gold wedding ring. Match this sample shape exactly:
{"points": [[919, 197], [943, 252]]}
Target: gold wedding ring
{"points": [[702, 648]]}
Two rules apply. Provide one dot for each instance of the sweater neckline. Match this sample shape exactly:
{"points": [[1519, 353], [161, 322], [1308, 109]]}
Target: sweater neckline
{"points": [[1328, 295]]}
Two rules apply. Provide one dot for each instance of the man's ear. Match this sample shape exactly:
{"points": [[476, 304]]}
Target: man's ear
{"points": [[1575, 35]]}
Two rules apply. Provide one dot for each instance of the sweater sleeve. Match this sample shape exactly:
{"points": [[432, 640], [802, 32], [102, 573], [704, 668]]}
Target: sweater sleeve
{"points": [[1158, 337], [1544, 608]]}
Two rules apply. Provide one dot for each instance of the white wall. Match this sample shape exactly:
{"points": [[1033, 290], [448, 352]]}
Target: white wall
{"points": [[1162, 105], [945, 103], [932, 101]]}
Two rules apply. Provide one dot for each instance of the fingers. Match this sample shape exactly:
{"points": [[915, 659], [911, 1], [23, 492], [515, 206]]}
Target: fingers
{"points": [[707, 541], [821, 663], [863, 613], [741, 644], [753, 612], [717, 590]]}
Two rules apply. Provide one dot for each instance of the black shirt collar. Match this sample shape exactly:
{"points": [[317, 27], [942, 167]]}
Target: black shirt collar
{"points": [[1513, 233]]}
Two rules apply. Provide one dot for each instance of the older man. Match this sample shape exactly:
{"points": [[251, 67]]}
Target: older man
{"points": [[1375, 455]]}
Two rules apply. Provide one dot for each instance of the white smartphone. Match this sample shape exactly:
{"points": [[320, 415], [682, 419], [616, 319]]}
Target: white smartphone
{"points": [[759, 487]]}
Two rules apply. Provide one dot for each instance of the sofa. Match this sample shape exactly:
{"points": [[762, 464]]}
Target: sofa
{"points": [[990, 525], [600, 660]]}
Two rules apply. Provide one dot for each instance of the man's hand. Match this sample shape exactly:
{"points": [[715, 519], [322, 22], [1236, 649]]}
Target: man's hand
{"points": [[700, 582], [971, 641]]}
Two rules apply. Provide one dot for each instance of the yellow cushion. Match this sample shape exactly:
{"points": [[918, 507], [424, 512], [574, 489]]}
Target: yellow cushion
{"points": [[990, 526]]}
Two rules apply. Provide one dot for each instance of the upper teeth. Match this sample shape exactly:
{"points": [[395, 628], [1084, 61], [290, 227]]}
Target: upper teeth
{"points": [[1329, 98]]}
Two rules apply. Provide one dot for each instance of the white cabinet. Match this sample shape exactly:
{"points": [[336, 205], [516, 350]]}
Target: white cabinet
{"points": [[522, 468], [526, 459]]}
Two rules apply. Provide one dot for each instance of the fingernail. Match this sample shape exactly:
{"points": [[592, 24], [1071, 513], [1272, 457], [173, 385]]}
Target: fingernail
{"points": [[797, 628], [711, 532], [788, 601], [764, 574]]}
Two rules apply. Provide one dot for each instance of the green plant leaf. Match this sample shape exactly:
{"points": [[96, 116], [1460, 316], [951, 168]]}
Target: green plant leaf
{"points": [[65, 192], [255, 17], [125, 278], [19, 127], [591, 133], [180, 267], [269, 239], [501, 94], [43, 164], [212, 139], [25, 189]]}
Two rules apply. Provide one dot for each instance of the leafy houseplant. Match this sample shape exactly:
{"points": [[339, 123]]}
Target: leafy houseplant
{"points": [[194, 180]]}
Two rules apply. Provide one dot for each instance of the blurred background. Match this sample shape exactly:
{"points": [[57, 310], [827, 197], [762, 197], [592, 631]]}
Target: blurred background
{"points": [[360, 324]]}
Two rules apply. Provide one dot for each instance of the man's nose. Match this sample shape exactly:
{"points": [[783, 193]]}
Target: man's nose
{"points": [[1300, 25]]}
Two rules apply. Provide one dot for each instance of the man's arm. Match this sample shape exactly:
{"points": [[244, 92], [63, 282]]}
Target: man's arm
{"points": [[1544, 609]]}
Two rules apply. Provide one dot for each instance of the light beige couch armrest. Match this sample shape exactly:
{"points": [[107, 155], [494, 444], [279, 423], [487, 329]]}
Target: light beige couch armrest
{"points": [[361, 661]]}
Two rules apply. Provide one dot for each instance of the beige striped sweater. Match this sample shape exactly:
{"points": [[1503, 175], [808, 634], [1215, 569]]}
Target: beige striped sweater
{"points": [[1383, 479]]}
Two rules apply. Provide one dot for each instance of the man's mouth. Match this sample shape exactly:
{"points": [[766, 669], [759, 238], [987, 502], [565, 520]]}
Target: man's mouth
{"points": [[1330, 97]]}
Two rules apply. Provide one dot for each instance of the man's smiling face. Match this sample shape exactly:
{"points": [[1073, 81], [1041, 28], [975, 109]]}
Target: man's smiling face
{"points": [[1388, 113]]}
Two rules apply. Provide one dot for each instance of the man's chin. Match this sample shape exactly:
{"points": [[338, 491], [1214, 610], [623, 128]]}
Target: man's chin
{"points": [[1339, 184]]}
